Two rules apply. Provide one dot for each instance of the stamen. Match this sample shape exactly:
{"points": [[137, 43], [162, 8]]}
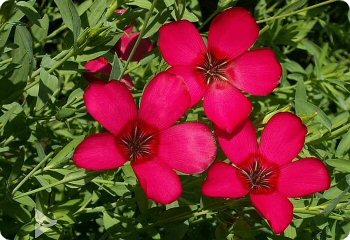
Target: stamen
{"points": [[137, 142], [213, 69], [259, 175]]}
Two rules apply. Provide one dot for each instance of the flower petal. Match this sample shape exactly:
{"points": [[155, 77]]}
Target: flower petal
{"points": [[164, 101], [226, 106], [181, 44], [276, 208], [99, 152], [99, 65], [239, 146], [257, 72], [127, 42], [303, 177], [194, 81], [188, 148], [223, 181], [283, 138], [111, 104], [159, 181], [231, 33]]}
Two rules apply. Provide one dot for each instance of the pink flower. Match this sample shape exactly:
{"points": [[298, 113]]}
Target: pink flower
{"points": [[126, 43], [220, 70], [266, 171], [147, 138], [102, 66]]}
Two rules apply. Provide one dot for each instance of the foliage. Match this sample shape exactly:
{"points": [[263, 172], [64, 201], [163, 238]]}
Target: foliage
{"points": [[44, 46]]}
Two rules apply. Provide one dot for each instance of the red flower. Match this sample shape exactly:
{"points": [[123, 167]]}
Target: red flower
{"points": [[126, 43], [146, 138], [267, 171], [218, 72], [102, 66]]}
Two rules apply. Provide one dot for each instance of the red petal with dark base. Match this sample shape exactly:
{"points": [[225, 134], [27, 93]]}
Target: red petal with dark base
{"points": [[188, 148], [159, 182], [303, 177], [164, 101], [226, 106], [111, 104], [276, 208], [224, 181], [99, 152], [231, 33], [181, 43], [240, 145], [283, 138], [257, 72]]}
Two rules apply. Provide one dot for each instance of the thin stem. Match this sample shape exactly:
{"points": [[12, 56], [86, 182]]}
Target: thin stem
{"points": [[31, 172], [142, 32], [53, 185], [210, 18], [296, 12]]}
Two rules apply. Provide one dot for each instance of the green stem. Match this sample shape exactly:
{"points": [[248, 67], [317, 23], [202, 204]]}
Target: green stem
{"points": [[53, 68], [31, 172], [296, 12], [142, 32], [210, 18], [313, 212], [102, 181], [52, 185]]}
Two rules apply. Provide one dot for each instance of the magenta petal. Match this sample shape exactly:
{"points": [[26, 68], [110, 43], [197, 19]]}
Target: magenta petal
{"points": [[303, 177], [276, 208], [164, 101], [127, 42], [223, 181], [99, 65], [99, 152], [240, 145], [181, 44], [194, 81], [226, 106], [111, 104], [231, 33], [283, 138], [188, 148], [159, 182], [257, 72]]}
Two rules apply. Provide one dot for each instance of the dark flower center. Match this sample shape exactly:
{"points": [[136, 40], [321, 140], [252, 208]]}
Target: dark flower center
{"points": [[260, 175], [213, 69], [138, 141]]}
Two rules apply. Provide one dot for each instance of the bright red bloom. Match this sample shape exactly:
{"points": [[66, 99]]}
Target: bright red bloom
{"points": [[220, 70], [126, 43], [102, 66], [146, 138], [266, 171]]}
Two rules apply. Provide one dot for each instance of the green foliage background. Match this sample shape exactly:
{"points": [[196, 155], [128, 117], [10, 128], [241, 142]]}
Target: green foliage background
{"points": [[44, 46]]}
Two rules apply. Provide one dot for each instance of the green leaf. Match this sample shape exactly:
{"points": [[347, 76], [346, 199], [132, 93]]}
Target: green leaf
{"points": [[63, 155], [79, 178], [108, 221], [70, 17], [96, 12], [29, 11], [40, 32], [47, 86], [344, 145], [117, 68], [292, 7], [141, 3], [339, 164], [334, 203]]}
